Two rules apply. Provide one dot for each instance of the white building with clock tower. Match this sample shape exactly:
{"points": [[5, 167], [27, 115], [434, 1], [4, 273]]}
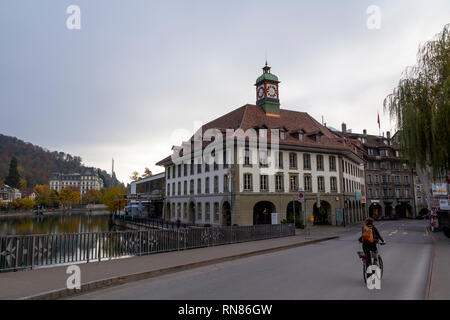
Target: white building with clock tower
{"points": [[234, 186]]}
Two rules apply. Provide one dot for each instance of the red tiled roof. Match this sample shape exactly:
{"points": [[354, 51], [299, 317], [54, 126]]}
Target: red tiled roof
{"points": [[252, 116]]}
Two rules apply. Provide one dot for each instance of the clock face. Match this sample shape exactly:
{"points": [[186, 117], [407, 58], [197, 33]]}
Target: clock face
{"points": [[272, 91], [261, 92]]}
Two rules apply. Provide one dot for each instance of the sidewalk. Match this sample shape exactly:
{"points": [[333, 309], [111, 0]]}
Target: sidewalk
{"points": [[50, 283], [440, 274]]}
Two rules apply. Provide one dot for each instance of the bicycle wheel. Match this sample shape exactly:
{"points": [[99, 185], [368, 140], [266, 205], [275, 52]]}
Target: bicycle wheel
{"points": [[364, 273], [380, 262]]}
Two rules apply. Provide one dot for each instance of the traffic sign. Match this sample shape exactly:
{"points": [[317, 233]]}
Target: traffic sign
{"points": [[301, 195]]}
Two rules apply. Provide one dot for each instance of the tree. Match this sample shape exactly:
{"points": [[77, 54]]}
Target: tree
{"points": [[91, 196], [44, 195], [13, 178], [111, 199], [134, 176], [26, 203], [69, 196], [420, 106], [147, 173]]}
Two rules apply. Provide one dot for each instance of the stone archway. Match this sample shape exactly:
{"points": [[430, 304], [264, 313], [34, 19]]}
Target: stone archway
{"points": [[403, 210], [262, 212], [226, 213], [168, 215], [290, 211], [192, 212], [423, 212], [322, 213], [388, 210], [353, 212], [375, 211]]}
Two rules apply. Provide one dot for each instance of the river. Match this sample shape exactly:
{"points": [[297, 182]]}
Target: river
{"points": [[54, 224]]}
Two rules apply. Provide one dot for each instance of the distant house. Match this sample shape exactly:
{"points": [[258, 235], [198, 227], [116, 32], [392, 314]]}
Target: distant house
{"points": [[88, 179], [30, 194], [9, 194]]}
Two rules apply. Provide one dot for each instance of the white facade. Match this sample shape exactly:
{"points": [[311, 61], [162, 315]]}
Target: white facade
{"points": [[86, 181], [179, 192], [182, 187]]}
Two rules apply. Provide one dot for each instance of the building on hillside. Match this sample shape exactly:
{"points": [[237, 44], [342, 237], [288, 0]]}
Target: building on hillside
{"points": [[9, 194], [388, 176], [252, 162], [29, 193], [88, 179], [147, 196]]}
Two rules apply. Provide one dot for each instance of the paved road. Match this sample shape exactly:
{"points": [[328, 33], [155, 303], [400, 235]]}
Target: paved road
{"points": [[328, 270]]}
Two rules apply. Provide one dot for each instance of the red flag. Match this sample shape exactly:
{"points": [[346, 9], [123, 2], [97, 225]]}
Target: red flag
{"points": [[379, 127]]}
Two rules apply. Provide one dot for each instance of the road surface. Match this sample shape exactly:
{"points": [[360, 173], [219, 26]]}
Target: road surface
{"points": [[327, 270]]}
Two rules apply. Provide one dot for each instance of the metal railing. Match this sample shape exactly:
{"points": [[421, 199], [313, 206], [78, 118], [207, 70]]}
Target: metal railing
{"points": [[156, 223], [33, 251]]}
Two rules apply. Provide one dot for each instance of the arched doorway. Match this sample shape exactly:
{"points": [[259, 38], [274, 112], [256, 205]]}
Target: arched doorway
{"points": [[403, 210], [290, 211], [353, 211], [321, 214], [226, 213], [423, 212], [192, 212], [262, 212], [167, 215], [388, 210], [375, 210]]}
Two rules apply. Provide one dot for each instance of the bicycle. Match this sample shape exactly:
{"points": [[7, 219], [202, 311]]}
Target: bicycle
{"points": [[373, 259]]}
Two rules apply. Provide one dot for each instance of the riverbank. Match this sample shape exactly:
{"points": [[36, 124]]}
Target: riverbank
{"points": [[27, 214]]}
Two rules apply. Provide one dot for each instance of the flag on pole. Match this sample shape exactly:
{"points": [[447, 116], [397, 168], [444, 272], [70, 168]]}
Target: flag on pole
{"points": [[379, 127]]}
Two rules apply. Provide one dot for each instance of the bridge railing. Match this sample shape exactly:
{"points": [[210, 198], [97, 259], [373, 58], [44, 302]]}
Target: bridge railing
{"points": [[34, 251], [156, 223]]}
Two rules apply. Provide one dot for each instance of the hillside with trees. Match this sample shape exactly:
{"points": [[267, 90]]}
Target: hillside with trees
{"points": [[36, 164]]}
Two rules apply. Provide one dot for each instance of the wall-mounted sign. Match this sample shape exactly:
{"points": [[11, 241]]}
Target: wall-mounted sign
{"points": [[444, 204], [439, 189], [274, 218], [363, 200]]}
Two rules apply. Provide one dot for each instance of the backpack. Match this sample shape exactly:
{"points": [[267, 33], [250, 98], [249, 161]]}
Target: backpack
{"points": [[367, 234]]}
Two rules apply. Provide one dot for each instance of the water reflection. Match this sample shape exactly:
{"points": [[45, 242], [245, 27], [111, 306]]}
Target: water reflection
{"points": [[54, 224]]}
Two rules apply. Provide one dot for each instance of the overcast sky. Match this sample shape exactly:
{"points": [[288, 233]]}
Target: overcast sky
{"points": [[140, 73]]}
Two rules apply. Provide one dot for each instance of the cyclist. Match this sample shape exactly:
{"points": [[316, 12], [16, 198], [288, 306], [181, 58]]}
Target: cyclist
{"points": [[369, 239]]}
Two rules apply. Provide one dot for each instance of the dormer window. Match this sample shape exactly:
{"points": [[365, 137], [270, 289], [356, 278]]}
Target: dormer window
{"points": [[300, 137], [262, 133], [282, 135]]}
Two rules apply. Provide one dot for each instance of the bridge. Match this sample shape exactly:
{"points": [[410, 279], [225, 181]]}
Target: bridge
{"points": [[34, 251]]}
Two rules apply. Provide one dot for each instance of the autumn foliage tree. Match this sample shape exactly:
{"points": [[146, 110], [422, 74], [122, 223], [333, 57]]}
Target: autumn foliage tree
{"points": [[91, 196], [111, 199], [46, 197], [69, 196]]}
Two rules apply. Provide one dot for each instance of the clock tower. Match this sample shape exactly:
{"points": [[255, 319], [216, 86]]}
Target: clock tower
{"points": [[267, 92]]}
